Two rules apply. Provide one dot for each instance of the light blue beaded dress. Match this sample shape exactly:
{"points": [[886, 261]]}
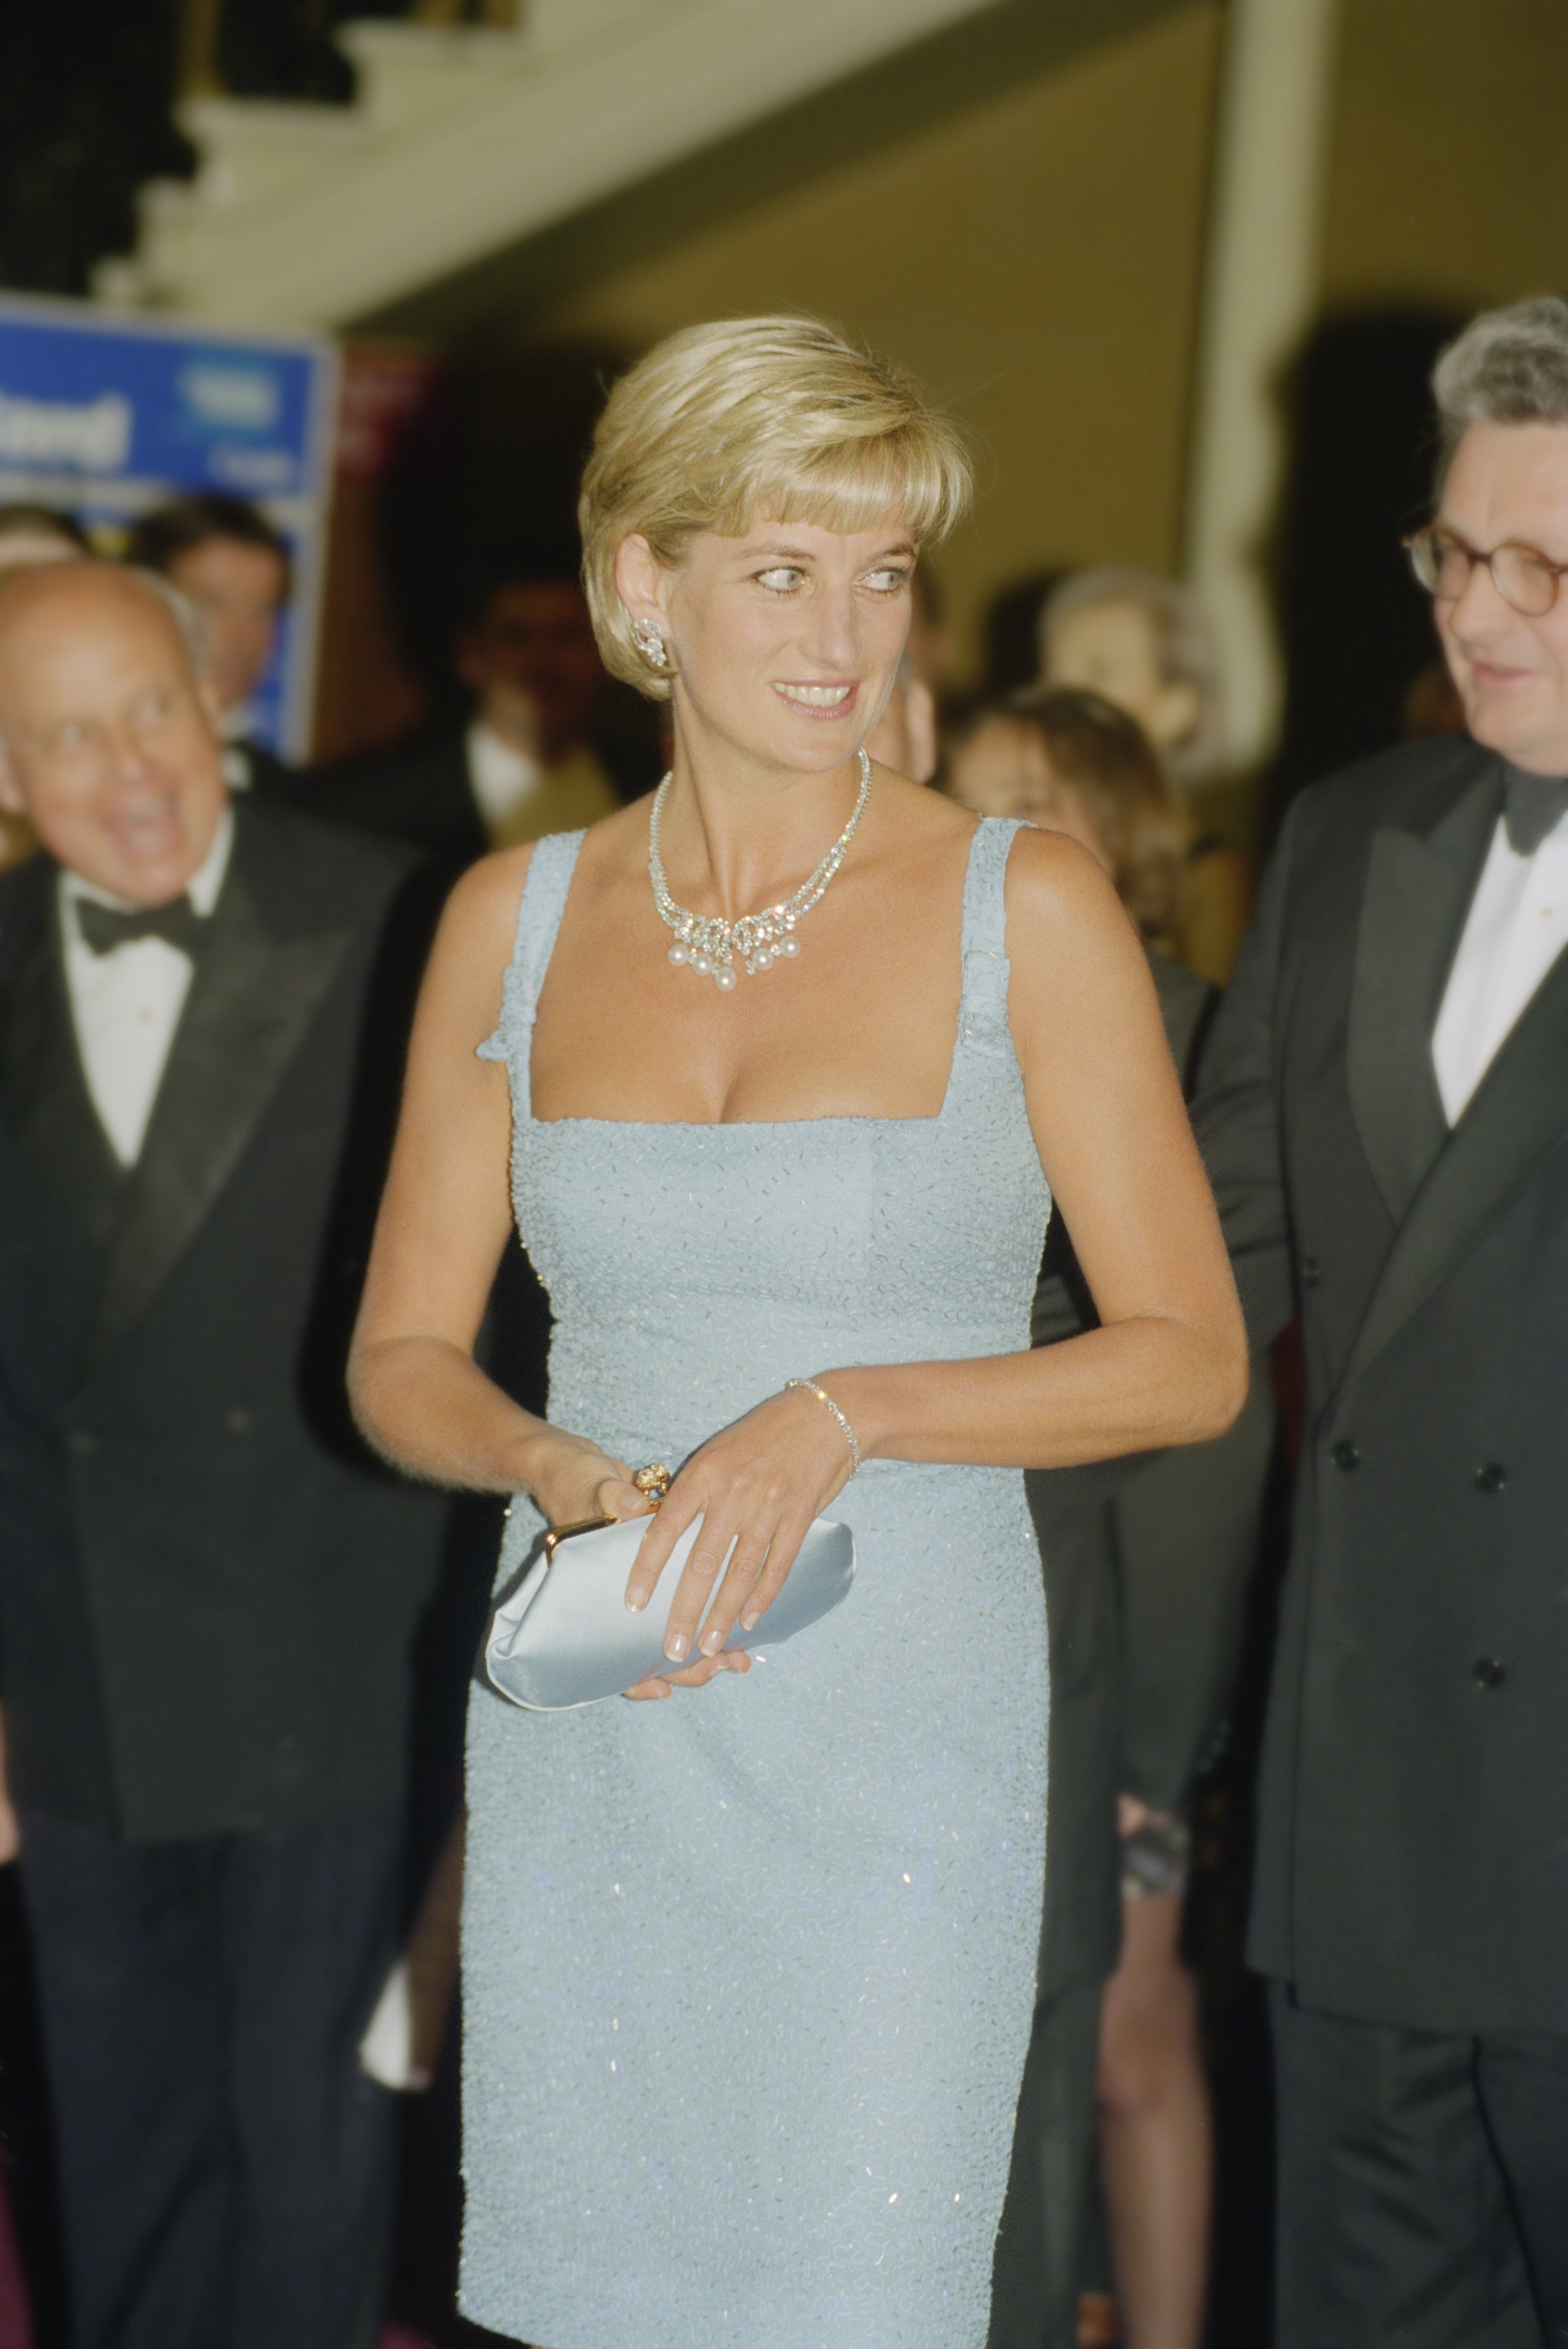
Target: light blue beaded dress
{"points": [[748, 1975]]}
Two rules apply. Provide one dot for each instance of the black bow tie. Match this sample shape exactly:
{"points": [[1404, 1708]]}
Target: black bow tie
{"points": [[1532, 807], [104, 927]]}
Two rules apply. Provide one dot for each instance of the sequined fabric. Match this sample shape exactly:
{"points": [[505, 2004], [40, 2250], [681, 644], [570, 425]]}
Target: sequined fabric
{"points": [[749, 1976]]}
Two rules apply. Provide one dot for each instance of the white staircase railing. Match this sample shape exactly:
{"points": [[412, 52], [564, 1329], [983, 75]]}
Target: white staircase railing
{"points": [[463, 141]]}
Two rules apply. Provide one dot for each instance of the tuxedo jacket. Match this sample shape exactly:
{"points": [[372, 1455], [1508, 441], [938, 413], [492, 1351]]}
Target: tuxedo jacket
{"points": [[206, 1587], [1413, 1857], [422, 793], [267, 776]]}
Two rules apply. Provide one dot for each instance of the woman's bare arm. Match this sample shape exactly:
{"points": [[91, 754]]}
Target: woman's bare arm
{"points": [[445, 1218], [1169, 1363]]}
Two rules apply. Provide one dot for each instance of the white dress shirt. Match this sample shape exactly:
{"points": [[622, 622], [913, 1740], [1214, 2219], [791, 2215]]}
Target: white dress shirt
{"points": [[235, 726], [1516, 928], [501, 778], [126, 1004]]}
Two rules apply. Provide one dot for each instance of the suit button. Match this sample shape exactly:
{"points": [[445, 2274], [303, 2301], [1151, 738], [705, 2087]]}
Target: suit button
{"points": [[1345, 1456], [1491, 1478], [1311, 1272], [83, 1443], [1487, 1672]]}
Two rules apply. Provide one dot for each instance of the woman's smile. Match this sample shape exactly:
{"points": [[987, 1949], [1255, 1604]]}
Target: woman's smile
{"points": [[818, 701]]}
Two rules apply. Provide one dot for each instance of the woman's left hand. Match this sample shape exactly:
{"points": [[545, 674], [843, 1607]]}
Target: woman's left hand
{"points": [[757, 1485]]}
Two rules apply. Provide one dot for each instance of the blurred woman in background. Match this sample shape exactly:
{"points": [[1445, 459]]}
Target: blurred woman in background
{"points": [[1139, 1685], [1145, 644]]}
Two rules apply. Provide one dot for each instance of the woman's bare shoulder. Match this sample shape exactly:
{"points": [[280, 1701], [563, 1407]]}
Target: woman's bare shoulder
{"points": [[1048, 871], [480, 918], [1064, 915]]}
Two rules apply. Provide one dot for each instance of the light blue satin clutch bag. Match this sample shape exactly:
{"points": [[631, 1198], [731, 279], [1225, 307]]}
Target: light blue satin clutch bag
{"points": [[566, 1637]]}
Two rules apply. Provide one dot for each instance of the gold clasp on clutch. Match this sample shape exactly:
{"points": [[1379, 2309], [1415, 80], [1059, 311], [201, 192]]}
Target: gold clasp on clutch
{"points": [[558, 1533], [653, 1482]]}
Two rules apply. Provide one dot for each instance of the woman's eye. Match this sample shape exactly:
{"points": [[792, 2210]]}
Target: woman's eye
{"points": [[887, 581], [780, 579]]}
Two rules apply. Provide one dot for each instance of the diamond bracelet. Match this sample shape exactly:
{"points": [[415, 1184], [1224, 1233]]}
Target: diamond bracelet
{"points": [[809, 1386]]}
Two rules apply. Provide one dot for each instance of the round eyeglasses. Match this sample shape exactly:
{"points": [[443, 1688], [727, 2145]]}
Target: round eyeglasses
{"points": [[1524, 577]]}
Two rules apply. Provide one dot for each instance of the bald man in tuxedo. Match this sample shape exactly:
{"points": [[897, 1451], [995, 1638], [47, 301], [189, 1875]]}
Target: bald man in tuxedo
{"points": [[207, 1588]]}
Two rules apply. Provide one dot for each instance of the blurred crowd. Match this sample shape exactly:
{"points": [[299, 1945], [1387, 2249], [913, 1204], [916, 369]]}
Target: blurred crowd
{"points": [[236, 1650]]}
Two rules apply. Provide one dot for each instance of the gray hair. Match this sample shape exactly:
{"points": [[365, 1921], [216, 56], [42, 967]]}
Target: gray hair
{"points": [[1507, 367], [1184, 647]]}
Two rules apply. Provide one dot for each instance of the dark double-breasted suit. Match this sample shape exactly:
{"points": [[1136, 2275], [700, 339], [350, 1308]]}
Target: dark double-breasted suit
{"points": [[208, 1592], [206, 1586], [1412, 1866], [1413, 1861]]}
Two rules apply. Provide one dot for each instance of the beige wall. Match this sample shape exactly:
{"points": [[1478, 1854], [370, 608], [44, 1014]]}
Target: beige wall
{"points": [[1449, 178], [1036, 261]]}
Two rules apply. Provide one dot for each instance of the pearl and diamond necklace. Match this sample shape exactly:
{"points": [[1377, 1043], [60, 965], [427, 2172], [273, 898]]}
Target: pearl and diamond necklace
{"points": [[706, 944]]}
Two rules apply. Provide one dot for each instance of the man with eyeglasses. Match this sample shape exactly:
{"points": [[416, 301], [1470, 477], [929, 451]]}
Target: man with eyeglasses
{"points": [[1384, 1115]]}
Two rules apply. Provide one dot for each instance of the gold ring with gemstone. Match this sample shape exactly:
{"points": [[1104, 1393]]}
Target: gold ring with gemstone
{"points": [[653, 1481]]}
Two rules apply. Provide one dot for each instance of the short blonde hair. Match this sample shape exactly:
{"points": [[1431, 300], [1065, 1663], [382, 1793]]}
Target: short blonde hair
{"points": [[780, 415]]}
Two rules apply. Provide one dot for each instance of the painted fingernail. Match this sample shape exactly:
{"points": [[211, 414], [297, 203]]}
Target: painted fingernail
{"points": [[635, 1602], [711, 1642], [749, 1622], [675, 1649]]}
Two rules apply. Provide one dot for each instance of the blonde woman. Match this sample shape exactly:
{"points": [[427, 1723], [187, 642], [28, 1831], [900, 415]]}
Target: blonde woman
{"points": [[749, 1965]]}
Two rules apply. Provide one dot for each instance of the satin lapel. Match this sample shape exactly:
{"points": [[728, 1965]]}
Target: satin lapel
{"points": [[251, 1002], [1518, 1115], [1419, 890], [48, 1103]]}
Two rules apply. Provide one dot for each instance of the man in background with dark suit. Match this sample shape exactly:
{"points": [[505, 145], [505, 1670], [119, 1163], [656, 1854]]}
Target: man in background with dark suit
{"points": [[1384, 1115], [230, 565], [207, 1589], [527, 761]]}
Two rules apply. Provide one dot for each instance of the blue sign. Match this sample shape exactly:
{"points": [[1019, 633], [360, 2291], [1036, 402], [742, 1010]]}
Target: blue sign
{"points": [[108, 417]]}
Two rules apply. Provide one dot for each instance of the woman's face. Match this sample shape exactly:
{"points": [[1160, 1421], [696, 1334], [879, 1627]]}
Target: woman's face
{"points": [[784, 643], [1004, 770], [1112, 648]]}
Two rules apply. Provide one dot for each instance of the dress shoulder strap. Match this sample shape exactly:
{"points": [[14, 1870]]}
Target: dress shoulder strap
{"points": [[983, 1006], [549, 871]]}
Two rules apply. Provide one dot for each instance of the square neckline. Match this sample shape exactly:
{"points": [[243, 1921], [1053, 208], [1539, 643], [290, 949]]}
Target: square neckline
{"points": [[971, 919]]}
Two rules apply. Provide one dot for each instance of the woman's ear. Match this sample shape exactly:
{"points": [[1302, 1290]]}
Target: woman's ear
{"points": [[640, 579]]}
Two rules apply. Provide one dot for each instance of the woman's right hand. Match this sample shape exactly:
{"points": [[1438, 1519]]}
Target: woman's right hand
{"points": [[575, 1478], [572, 1478]]}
